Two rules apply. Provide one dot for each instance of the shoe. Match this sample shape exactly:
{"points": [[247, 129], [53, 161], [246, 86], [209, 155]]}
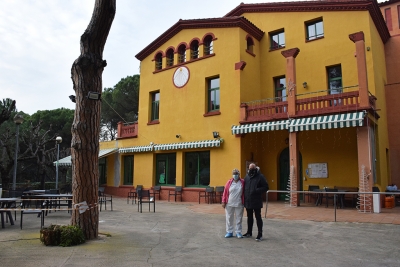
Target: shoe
{"points": [[247, 235], [259, 237], [239, 235], [228, 235]]}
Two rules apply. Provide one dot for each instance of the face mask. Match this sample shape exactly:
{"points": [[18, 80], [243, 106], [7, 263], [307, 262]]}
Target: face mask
{"points": [[235, 176], [252, 172]]}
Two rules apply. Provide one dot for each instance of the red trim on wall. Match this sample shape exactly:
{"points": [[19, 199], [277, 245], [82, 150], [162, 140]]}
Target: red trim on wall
{"points": [[251, 53], [318, 6], [207, 34], [153, 122], [241, 64], [293, 52], [212, 113], [230, 22], [195, 39], [184, 63], [181, 43], [357, 36]]}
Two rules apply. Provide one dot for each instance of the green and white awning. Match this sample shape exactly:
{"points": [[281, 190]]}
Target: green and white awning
{"points": [[188, 145], [102, 153], [327, 122], [260, 127], [136, 149]]}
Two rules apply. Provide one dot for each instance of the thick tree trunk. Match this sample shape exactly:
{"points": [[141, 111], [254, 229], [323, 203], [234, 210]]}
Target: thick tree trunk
{"points": [[87, 77]]}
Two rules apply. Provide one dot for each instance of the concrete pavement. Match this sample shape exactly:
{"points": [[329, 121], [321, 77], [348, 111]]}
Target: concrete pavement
{"points": [[187, 234]]}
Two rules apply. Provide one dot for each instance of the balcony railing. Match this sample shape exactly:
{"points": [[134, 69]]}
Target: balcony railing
{"points": [[309, 104], [264, 110], [127, 130]]}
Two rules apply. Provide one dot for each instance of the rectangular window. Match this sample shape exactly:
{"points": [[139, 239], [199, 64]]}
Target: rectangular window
{"points": [[166, 169], [315, 29], [335, 82], [197, 168], [155, 106], [277, 40], [213, 94], [102, 171], [388, 18], [280, 89], [128, 170]]}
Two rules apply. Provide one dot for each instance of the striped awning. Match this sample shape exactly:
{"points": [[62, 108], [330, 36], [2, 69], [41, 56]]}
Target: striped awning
{"points": [[188, 145], [327, 122], [102, 153], [260, 127], [136, 149]]}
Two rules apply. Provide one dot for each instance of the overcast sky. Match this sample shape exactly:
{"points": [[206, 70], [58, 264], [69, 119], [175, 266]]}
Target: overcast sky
{"points": [[39, 41]]}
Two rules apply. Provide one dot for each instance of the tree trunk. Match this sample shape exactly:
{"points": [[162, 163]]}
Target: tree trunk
{"points": [[87, 77]]}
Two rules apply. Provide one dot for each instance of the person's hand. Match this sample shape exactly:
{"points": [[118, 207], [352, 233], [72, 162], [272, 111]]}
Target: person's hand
{"points": [[223, 205]]}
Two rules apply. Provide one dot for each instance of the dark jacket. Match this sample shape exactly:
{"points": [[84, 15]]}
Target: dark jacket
{"points": [[254, 189]]}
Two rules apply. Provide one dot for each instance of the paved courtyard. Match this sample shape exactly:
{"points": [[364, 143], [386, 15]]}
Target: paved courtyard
{"points": [[191, 234]]}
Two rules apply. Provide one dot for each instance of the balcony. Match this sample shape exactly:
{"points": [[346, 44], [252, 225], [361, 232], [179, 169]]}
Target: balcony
{"points": [[320, 103], [127, 130]]}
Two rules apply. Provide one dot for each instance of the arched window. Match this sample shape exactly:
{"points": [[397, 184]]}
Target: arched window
{"points": [[170, 57], [194, 49], [208, 45], [158, 61], [250, 44], [181, 53]]}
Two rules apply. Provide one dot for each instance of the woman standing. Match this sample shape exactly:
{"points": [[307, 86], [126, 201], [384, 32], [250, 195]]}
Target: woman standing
{"points": [[232, 202]]}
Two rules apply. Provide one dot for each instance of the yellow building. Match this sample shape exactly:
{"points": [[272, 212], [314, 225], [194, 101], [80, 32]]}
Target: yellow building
{"points": [[297, 87]]}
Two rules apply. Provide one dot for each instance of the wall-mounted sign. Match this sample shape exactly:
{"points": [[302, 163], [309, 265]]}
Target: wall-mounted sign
{"points": [[317, 170]]}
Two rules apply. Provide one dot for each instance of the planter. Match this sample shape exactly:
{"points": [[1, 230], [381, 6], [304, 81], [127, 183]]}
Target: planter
{"points": [[389, 202], [50, 236]]}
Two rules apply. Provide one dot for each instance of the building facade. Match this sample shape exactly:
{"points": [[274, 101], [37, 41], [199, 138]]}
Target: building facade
{"points": [[299, 88]]}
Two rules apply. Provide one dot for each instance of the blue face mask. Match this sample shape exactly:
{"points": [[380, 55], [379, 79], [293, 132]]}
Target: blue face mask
{"points": [[235, 176]]}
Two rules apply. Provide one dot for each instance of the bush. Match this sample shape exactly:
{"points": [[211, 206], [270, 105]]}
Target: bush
{"points": [[62, 235]]}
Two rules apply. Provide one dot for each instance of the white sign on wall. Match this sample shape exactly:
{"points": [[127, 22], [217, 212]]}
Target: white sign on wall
{"points": [[317, 170]]}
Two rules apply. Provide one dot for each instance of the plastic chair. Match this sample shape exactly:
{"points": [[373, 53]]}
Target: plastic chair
{"points": [[176, 192], [331, 196], [208, 194], [144, 196]]}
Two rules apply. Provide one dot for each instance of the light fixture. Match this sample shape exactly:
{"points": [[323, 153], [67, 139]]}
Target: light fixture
{"points": [[305, 85], [216, 134], [18, 119], [72, 97], [178, 136], [58, 140], [94, 95]]}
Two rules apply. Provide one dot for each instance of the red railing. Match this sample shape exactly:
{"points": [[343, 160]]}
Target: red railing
{"points": [[125, 131], [264, 110], [260, 110], [327, 104]]}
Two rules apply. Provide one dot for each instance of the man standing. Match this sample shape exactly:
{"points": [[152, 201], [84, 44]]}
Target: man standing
{"points": [[255, 185]]}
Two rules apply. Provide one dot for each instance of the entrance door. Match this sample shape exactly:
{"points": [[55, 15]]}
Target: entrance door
{"points": [[284, 173]]}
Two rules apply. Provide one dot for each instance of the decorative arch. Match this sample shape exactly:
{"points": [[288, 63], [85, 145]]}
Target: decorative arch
{"points": [[158, 60], [249, 43], [194, 48], [158, 52], [182, 47], [169, 54]]}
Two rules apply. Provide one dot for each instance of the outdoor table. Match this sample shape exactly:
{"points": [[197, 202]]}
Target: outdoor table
{"points": [[6, 203], [320, 196], [34, 192]]}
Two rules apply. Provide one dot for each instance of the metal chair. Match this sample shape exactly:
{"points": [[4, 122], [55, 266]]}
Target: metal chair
{"points": [[103, 198], [219, 190], [208, 195], [176, 192], [144, 196], [312, 195], [39, 211], [156, 191], [133, 194]]}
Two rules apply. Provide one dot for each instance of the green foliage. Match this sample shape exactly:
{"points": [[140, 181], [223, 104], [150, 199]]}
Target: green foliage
{"points": [[62, 235], [119, 104]]}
